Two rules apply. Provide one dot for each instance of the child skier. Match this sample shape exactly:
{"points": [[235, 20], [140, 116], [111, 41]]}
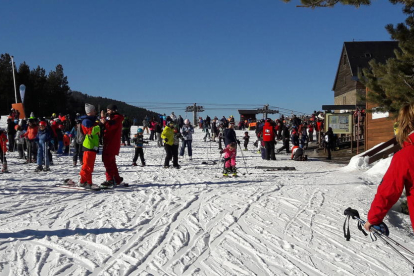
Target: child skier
{"points": [[230, 159], [59, 133], [20, 141], [3, 149], [66, 143], [246, 139], [138, 141]]}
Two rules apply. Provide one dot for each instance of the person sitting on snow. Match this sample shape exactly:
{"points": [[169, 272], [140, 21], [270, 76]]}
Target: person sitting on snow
{"points": [[298, 154]]}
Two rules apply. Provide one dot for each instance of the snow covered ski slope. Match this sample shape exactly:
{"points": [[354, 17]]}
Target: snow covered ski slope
{"points": [[192, 221]]}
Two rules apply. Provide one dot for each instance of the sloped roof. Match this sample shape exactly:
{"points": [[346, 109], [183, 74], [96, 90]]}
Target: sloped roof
{"points": [[359, 53]]}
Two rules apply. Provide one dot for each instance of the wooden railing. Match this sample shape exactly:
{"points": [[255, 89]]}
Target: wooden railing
{"points": [[382, 151]]}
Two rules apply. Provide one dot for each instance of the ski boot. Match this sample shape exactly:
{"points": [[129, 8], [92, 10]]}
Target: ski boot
{"points": [[134, 164], [107, 184], [83, 185], [39, 169], [47, 169], [4, 168], [234, 170], [225, 172], [88, 186]]}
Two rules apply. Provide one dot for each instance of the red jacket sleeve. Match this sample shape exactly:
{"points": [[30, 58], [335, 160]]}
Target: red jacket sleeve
{"points": [[112, 134], [390, 189]]}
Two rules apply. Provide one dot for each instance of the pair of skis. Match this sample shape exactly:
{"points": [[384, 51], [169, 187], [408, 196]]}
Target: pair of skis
{"points": [[70, 184]]}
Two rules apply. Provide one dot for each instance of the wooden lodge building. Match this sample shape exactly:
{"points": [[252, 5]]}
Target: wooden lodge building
{"points": [[347, 87]]}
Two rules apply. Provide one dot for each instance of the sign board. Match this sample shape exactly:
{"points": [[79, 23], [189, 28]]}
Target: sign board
{"points": [[340, 123], [19, 106], [379, 115]]}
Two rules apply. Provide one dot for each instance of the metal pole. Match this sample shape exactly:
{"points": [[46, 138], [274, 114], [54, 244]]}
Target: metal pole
{"points": [[195, 122], [352, 134], [14, 80], [358, 135]]}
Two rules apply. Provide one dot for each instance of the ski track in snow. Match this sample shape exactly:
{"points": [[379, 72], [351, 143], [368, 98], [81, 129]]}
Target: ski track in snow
{"points": [[191, 221]]}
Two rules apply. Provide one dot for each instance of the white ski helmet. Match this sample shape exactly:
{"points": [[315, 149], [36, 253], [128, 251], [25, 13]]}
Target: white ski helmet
{"points": [[186, 121]]}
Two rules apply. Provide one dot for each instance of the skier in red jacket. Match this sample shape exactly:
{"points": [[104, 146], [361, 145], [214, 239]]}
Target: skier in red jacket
{"points": [[269, 135], [399, 175], [111, 144]]}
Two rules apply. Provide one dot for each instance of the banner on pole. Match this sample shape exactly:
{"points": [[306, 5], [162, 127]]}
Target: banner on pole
{"points": [[22, 91]]}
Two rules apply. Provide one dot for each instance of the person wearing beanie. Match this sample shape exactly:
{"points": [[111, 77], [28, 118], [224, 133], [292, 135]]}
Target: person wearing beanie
{"points": [[89, 108], [112, 124], [91, 130], [187, 131]]}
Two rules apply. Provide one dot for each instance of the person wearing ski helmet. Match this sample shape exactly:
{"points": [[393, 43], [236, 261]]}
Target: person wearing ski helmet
{"points": [[112, 124], [187, 131], [138, 142], [399, 175]]}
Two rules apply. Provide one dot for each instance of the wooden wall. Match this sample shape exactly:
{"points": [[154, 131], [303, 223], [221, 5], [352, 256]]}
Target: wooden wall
{"points": [[377, 130]]}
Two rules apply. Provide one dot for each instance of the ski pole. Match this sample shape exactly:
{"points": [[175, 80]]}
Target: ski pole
{"points": [[379, 232], [245, 165]]}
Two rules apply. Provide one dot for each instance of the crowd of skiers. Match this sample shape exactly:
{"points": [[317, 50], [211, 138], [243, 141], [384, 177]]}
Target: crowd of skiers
{"points": [[36, 138]]}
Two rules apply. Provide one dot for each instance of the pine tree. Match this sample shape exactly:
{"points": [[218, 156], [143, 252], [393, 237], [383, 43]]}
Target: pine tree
{"points": [[6, 84], [391, 84], [57, 92], [35, 99]]}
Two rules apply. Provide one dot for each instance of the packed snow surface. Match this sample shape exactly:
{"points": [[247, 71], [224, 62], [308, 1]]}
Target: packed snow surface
{"points": [[192, 221]]}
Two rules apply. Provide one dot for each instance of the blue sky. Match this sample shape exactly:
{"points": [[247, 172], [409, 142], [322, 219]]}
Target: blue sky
{"points": [[165, 55]]}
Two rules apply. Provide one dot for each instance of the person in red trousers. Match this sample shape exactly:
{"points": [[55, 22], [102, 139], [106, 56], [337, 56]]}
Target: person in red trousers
{"points": [[112, 124], [90, 145], [399, 174]]}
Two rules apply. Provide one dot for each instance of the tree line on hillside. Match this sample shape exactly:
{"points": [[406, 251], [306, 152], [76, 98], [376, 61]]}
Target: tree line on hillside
{"points": [[50, 93]]}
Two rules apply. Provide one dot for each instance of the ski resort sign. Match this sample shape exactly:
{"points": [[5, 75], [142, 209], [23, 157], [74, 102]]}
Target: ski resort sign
{"points": [[340, 123]]}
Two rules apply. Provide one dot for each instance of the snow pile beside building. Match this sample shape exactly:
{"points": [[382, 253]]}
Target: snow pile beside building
{"points": [[358, 162], [377, 171]]}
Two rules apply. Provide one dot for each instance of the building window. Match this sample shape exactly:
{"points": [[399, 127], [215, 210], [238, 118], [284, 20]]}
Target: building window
{"points": [[344, 100], [344, 60]]}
